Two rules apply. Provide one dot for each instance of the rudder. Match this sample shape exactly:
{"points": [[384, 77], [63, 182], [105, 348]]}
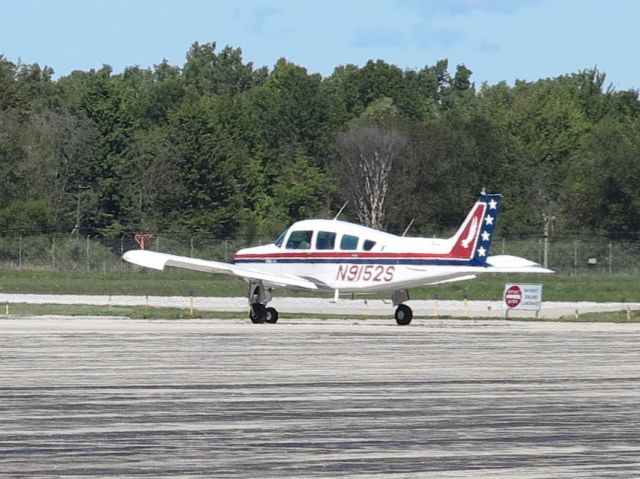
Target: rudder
{"points": [[473, 238]]}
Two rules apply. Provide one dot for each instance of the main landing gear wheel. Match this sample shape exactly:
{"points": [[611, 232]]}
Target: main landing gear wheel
{"points": [[404, 315], [258, 313], [272, 315]]}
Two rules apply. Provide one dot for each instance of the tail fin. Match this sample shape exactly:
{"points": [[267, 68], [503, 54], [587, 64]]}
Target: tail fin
{"points": [[473, 238]]}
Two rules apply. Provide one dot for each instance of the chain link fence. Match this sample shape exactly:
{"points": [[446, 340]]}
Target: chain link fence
{"points": [[74, 253]]}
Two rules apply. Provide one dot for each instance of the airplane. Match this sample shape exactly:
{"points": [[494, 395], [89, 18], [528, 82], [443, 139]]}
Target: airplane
{"points": [[333, 256]]}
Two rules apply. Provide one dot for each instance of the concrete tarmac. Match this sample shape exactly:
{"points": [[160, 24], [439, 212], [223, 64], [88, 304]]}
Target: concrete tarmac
{"points": [[303, 305], [100, 397]]}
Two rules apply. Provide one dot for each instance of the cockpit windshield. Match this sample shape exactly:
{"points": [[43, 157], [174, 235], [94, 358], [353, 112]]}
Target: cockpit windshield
{"points": [[299, 240], [278, 242]]}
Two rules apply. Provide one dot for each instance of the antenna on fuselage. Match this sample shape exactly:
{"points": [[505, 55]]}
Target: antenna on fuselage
{"points": [[406, 230], [343, 207]]}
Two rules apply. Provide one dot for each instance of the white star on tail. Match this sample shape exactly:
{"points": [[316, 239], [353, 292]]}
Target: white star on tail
{"points": [[492, 204], [488, 219], [482, 251], [485, 236]]}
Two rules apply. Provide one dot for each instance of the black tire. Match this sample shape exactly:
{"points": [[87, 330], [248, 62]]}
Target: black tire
{"points": [[404, 315], [272, 315], [258, 313]]}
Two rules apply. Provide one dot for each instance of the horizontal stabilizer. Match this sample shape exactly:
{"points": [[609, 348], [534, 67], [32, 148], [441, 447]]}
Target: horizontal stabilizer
{"points": [[513, 264]]}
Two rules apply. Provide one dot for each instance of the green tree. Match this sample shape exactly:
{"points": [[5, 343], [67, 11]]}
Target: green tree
{"points": [[603, 181], [440, 177], [209, 73], [301, 191], [155, 181], [541, 125], [207, 169], [60, 148]]}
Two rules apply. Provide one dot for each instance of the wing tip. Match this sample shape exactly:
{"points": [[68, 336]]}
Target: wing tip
{"points": [[147, 259]]}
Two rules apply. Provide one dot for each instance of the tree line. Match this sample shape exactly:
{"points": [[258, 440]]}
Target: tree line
{"points": [[219, 147]]}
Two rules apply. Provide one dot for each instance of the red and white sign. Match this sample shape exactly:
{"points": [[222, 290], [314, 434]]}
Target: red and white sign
{"points": [[513, 296], [522, 296]]}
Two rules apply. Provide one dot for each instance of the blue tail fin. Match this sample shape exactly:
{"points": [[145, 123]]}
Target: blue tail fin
{"points": [[494, 204]]}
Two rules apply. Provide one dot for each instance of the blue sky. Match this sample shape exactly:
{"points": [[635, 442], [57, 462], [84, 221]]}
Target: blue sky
{"points": [[497, 39]]}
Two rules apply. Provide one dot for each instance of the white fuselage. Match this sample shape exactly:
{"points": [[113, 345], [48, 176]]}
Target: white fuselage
{"points": [[336, 255]]}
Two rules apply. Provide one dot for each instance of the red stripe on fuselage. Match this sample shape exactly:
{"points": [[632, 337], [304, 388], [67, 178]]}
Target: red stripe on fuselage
{"points": [[316, 255]]}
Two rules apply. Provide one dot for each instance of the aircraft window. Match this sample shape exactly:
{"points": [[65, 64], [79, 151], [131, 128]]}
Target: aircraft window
{"points": [[280, 239], [299, 240], [368, 245], [325, 240], [349, 242]]}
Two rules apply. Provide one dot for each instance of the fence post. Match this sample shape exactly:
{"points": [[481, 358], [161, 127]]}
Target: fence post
{"points": [[53, 253], [610, 258], [503, 242], [575, 257], [88, 265], [20, 252], [545, 261], [540, 251], [548, 223], [191, 246]]}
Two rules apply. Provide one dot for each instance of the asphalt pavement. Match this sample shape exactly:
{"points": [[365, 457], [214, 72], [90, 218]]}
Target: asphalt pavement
{"points": [[98, 397]]}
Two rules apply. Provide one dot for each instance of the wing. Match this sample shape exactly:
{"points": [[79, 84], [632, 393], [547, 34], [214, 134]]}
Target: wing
{"points": [[155, 260]]}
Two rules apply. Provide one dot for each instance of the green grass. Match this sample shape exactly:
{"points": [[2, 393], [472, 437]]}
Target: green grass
{"points": [[606, 317], [136, 312], [143, 282], [604, 288], [601, 288]]}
